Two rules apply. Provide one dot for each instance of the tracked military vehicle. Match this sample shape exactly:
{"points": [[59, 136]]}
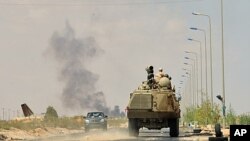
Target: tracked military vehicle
{"points": [[153, 105]]}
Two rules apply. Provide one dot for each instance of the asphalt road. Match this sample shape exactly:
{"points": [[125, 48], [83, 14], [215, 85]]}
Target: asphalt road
{"points": [[121, 134]]}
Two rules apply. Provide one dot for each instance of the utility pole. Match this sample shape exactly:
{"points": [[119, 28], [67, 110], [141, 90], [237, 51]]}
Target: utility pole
{"points": [[17, 113], [3, 113], [8, 114], [222, 58]]}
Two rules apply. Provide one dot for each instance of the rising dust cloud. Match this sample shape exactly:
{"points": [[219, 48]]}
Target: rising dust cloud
{"points": [[72, 54]]}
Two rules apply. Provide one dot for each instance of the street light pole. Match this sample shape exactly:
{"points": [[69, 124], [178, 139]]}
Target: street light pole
{"points": [[186, 90], [195, 103], [196, 64], [193, 79], [188, 71], [222, 57], [190, 39], [205, 52], [211, 66]]}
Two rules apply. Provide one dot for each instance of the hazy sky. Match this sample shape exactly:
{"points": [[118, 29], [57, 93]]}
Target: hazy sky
{"points": [[130, 34]]}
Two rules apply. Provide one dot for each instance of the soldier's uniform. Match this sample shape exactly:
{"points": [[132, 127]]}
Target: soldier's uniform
{"points": [[159, 75]]}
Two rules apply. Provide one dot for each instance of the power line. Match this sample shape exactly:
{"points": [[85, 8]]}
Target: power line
{"points": [[114, 3]]}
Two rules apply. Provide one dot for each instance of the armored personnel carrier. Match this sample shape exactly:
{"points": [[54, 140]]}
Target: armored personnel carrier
{"points": [[154, 105]]}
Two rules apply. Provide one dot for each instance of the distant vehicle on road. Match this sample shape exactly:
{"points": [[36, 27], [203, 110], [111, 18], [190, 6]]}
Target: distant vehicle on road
{"points": [[95, 120]]}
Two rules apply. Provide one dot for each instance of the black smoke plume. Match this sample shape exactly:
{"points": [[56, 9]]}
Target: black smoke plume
{"points": [[73, 54]]}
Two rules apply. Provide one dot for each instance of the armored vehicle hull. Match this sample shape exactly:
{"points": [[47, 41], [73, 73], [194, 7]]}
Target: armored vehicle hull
{"points": [[153, 108]]}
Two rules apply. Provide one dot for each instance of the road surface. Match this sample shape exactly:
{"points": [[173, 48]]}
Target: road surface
{"points": [[121, 134]]}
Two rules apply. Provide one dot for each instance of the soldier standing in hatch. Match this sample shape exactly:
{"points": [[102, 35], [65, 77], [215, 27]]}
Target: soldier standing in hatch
{"points": [[159, 75], [150, 71]]}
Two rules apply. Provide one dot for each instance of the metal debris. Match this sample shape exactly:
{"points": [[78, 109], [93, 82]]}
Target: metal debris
{"points": [[26, 110]]}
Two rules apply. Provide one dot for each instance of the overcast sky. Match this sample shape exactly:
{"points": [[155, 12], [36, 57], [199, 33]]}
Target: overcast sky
{"points": [[129, 35]]}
